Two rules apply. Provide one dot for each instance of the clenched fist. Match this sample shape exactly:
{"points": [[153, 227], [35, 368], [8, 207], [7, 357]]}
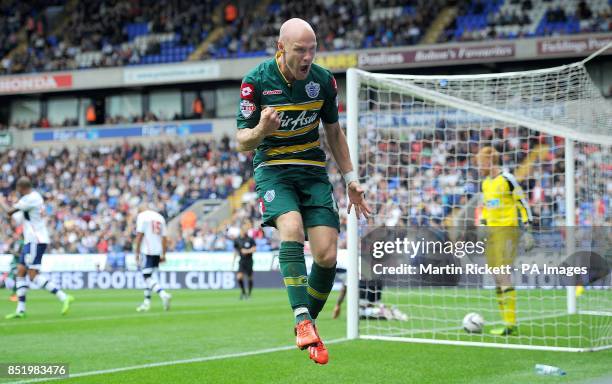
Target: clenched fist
{"points": [[269, 120]]}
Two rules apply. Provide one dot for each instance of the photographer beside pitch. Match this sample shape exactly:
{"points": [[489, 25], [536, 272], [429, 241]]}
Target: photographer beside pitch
{"points": [[282, 101]]}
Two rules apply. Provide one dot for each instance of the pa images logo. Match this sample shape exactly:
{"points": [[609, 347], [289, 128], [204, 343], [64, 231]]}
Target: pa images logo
{"points": [[269, 195], [312, 89]]}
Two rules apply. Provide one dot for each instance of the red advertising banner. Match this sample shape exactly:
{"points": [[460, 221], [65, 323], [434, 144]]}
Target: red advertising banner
{"points": [[24, 83]]}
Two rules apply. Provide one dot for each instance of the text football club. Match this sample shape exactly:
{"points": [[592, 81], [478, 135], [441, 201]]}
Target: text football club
{"points": [[167, 279]]}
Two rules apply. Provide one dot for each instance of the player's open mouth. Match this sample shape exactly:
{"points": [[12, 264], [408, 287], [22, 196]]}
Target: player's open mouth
{"points": [[304, 68]]}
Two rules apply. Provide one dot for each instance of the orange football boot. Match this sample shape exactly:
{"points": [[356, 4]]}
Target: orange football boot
{"points": [[306, 335], [318, 353]]}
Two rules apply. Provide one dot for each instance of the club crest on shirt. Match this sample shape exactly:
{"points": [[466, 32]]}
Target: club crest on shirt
{"points": [[312, 89], [247, 108], [269, 195]]}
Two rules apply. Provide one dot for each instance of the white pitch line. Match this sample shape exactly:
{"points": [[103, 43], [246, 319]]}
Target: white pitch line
{"points": [[172, 362], [18, 322]]}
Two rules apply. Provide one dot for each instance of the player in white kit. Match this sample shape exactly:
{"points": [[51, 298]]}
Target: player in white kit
{"points": [[151, 242], [36, 240]]}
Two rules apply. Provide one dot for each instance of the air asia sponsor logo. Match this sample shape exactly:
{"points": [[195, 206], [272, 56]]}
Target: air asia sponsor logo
{"points": [[272, 92], [247, 108], [312, 89], [303, 119], [247, 91], [578, 45], [11, 84]]}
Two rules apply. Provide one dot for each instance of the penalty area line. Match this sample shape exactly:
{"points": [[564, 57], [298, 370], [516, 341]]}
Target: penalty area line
{"points": [[172, 362]]}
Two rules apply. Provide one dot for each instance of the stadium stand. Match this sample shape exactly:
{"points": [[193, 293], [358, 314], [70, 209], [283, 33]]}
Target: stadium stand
{"points": [[169, 175], [116, 119], [433, 191], [509, 19], [341, 25], [163, 32], [152, 32]]}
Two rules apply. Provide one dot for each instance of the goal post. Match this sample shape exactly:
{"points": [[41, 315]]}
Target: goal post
{"points": [[352, 283], [414, 139]]}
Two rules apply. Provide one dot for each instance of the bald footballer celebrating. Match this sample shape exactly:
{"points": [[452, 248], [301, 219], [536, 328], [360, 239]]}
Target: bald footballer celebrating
{"points": [[282, 101]]}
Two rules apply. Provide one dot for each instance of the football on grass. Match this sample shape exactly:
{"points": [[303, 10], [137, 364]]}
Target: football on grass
{"points": [[473, 323]]}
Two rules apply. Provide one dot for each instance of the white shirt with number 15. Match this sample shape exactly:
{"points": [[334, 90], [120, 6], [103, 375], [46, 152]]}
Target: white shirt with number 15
{"points": [[153, 226]]}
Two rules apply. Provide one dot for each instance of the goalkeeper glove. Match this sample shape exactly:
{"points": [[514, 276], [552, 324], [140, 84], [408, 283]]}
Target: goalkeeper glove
{"points": [[527, 238]]}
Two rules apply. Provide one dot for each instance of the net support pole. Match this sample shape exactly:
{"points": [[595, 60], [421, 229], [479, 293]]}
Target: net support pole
{"points": [[352, 284], [570, 215]]}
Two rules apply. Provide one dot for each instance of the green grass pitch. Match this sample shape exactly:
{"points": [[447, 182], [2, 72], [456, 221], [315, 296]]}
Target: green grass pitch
{"points": [[103, 332]]}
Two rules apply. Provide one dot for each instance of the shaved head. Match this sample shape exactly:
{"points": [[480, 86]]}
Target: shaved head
{"points": [[294, 29], [297, 45]]}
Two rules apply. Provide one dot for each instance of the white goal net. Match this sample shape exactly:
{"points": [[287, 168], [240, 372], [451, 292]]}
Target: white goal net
{"points": [[414, 140]]}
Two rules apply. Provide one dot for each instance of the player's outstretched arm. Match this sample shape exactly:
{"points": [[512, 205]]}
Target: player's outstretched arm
{"points": [[338, 306], [249, 138], [339, 148], [162, 259], [139, 236], [6, 208]]}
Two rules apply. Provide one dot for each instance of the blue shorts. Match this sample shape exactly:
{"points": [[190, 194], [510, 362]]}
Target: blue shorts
{"points": [[151, 263], [31, 255]]}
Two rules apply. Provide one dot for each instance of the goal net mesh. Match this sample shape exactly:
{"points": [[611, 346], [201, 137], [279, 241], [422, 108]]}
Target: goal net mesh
{"points": [[418, 137]]}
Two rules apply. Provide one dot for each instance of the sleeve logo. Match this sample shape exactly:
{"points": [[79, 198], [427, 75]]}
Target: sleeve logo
{"points": [[247, 91], [247, 108], [334, 84]]}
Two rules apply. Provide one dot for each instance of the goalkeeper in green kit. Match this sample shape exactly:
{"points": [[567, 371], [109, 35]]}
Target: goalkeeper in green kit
{"points": [[282, 101]]}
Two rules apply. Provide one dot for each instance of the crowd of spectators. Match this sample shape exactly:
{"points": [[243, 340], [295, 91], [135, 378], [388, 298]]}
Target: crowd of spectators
{"points": [[345, 24], [425, 177], [108, 29], [507, 19], [104, 33], [21, 16], [421, 179], [92, 193]]}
